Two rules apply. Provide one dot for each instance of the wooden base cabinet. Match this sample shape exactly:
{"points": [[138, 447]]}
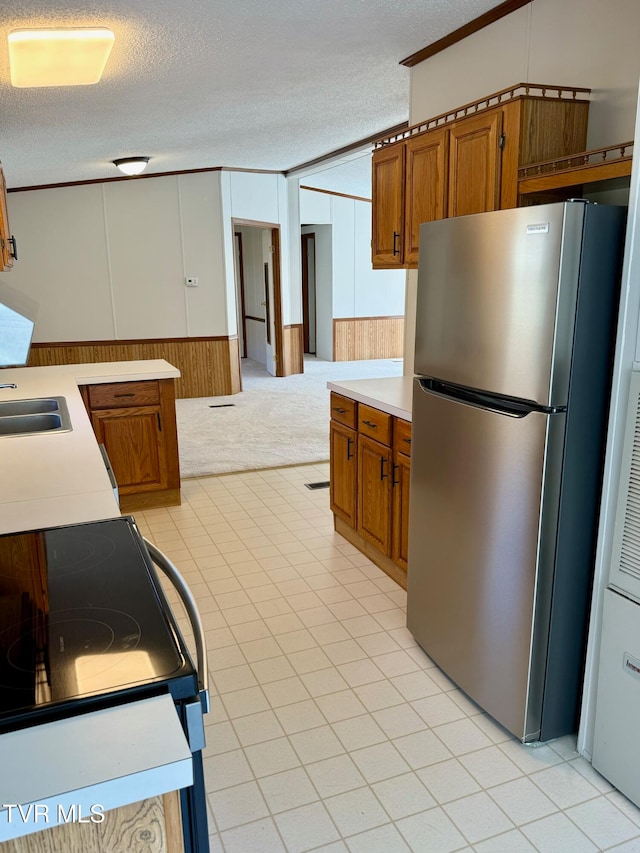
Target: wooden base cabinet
{"points": [[343, 470], [369, 482], [400, 484], [374, 493], [136, 422]]}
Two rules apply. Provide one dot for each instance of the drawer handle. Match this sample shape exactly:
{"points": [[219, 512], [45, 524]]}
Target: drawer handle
{"points": [[383, 462], [129, 394], [370, 424], [349, 453], [407, 440], [339, 410]]}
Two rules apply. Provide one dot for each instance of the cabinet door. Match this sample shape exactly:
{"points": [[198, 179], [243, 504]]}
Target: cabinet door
{"points": [[343, 472], [133, 440], [374, 493], [387, 188], [6, 254], [474, 164], [425, 186], [400, 519]]}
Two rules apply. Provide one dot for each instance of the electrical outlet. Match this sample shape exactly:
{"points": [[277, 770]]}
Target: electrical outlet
{"points": [[191, 281]]}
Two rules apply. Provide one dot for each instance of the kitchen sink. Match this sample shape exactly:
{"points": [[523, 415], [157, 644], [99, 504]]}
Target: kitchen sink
{"points": [[29, 407], [35, 416]]}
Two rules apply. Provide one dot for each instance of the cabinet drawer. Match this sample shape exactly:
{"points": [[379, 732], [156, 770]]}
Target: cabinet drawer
{"points": [[375, 424], [118, 395], [402, 436], [343, 410]]}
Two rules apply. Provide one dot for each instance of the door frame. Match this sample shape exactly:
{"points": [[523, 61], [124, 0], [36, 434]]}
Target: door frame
{"points": [[277, 284], [237, 238], [306, 239]]}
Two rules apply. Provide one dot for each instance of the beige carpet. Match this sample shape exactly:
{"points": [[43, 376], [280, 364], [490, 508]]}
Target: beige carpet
{"points": [[271, 423]]}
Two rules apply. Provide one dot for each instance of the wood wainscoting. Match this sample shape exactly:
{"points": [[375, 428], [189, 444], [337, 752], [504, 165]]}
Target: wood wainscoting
{"points": [[209, 367], [360, 338], [293, 350]]}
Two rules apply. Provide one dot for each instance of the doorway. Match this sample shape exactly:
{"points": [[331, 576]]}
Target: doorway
{"points": [[308, 251], [258, 293]]}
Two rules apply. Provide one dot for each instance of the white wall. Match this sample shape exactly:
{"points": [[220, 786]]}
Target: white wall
{"points": [[108, 261], [356, 290], [324, 290], [627, 349], [265, 198], [573, 43]]}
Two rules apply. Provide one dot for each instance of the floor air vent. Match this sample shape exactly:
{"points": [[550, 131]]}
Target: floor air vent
{"points": [[323, 485]]}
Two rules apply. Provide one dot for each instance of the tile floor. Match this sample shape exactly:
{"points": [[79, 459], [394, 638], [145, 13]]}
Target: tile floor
{"points": [[330, 729]]}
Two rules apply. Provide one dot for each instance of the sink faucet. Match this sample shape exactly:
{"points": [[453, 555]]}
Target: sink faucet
{"points": [[8, 385]]}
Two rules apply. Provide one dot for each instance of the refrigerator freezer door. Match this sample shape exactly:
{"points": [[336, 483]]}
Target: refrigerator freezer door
{"points": [[496, 300], [474, 549]]}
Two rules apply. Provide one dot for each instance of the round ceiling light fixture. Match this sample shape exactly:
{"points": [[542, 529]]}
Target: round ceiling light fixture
{"points": [[131, 165]]}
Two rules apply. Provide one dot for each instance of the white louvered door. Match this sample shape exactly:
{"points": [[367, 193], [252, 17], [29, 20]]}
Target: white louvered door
{"points": [[625, 563]]}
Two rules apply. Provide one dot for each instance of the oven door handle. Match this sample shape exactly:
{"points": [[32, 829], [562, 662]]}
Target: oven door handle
{"points": [[165, 564]]}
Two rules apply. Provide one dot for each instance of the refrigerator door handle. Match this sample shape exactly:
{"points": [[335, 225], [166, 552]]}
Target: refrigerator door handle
{"points": [[508, 406]]}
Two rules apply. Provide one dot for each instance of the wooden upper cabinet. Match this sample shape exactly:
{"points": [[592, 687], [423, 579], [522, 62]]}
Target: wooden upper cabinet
{"points": [[425, 185], [387, 181], [7, 242], [474, 164], [466, 161]]}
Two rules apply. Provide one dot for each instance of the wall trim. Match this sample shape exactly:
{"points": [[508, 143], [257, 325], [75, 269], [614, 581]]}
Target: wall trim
{"points": [[141, 178], [125, 341], [463, 32], [331, 192], [346, 149]]}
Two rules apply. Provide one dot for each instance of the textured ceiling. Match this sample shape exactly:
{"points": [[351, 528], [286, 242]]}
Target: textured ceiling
{"points": [[257, 84]]}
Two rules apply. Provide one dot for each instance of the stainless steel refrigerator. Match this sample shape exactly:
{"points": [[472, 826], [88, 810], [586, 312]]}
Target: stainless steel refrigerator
{"points": [[515, 326]]}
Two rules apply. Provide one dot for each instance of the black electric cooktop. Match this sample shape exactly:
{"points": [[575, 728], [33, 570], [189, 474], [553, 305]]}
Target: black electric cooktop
{"points": [[83, 622]]}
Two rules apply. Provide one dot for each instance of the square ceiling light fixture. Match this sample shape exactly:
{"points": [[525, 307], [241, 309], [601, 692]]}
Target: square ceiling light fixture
{"points": [[74, 56]]}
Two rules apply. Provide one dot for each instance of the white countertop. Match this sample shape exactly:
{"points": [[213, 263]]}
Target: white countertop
{"points": [[59, 478], [45, 481], [391, 394]]}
